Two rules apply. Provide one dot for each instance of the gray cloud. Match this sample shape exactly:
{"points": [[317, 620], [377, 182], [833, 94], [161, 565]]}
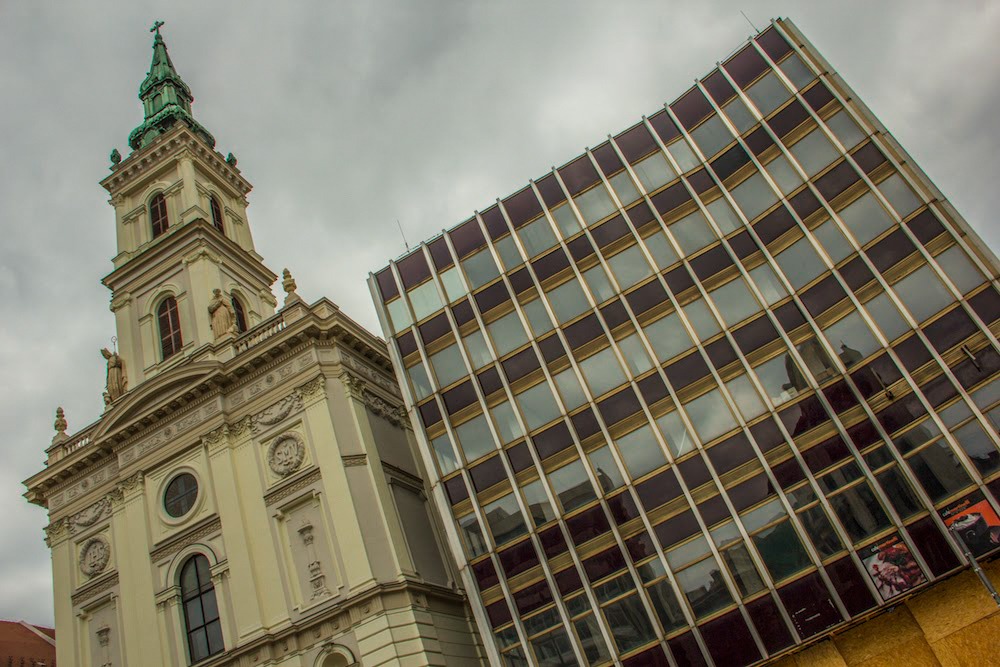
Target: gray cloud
{"points": [[347, 116]]}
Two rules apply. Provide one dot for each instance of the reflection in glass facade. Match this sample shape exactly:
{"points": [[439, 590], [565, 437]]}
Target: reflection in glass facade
{"points": [[711, 389]]}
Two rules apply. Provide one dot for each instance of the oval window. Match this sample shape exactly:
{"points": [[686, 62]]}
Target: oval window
{"points": [[180, 495]]}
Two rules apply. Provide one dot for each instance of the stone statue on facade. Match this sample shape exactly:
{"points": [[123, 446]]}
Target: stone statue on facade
{"points": [[116, 383], [220, 309]]}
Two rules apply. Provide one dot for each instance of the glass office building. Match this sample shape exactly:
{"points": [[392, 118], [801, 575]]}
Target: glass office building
{"points": [[717, 387]]}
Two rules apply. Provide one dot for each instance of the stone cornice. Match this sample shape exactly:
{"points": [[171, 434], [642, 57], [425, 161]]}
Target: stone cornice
{"points": [[154, 404], [171, 145], [180, 241]]}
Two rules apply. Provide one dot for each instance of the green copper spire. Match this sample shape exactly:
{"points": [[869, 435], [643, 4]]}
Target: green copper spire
{"points": [[166, 99]]}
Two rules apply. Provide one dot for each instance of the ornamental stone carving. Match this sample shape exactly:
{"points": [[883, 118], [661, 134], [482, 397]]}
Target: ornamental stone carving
{"points": [[275, 413], [94, 556], [286, 453], [91, 515]]}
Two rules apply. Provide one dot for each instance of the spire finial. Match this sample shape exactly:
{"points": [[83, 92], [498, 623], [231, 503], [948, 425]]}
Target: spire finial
{"points": [[166, 99]]}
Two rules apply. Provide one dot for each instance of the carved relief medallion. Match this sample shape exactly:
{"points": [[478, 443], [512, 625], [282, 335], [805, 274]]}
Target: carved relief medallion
{"points": [[94, 556], [286, 453]]}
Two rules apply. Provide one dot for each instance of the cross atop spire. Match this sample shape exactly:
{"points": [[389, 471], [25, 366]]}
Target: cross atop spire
{"points": [[165, 97]]}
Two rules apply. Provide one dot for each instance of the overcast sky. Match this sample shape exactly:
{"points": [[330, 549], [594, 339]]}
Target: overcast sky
{"points": [[348, 115]]}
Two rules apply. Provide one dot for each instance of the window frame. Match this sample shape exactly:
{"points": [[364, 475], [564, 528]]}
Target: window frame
{"points": [[171, 338]]}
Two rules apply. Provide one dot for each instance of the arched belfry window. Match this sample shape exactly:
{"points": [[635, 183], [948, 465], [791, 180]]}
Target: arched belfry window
{"points": [[241, 318], [201, 610], [170, 327], [213, 202], [158, 214]]}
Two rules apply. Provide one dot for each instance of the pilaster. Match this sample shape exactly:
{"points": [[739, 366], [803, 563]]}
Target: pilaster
{"points": [[130, 531], [225, 449], [341, 505]]}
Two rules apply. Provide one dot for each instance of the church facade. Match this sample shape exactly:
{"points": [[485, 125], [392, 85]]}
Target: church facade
{"points": [[251, 493]]}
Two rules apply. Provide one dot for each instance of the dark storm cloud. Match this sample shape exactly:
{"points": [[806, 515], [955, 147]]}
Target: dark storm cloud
{"points": [[347, 116]]}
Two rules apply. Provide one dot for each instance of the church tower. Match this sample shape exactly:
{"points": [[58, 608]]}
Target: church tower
{"points": [[182, 231], [251, 493]]}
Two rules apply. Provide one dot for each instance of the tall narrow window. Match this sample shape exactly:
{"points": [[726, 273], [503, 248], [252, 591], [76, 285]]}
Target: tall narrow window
{"points": [[216, 213], [158, 214], [201, 610], [170, 327], [241, 318]]}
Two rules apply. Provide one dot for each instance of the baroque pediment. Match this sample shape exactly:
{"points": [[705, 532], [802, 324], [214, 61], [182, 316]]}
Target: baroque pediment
{"points": [[158, 397]]}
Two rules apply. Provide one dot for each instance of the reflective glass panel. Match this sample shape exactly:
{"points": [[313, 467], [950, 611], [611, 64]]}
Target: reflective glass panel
{"points": [[594, 204], [710, 415], [475, 345], [453, 286], [568, 301], [537, 502], [537, 236], [570, 389], [505, 519], [597, 281], [419, 380], [675, 433], [833, 241], [654, 171], [571, 486], [480, 268], [507, 426], [692, 232], [475, 438], [507, 333], [734, 301], [768, 93], [629, 267], [537, 405], [609, 477], [754, 196], [724, 215], [784, 174], [623, 186], [602, 371], [683, 155], [814, 152], [923, 293], [845, 129], [866, 218], [448, 365], [704, 587], [768, 283], [668, 337], [640, 452]]}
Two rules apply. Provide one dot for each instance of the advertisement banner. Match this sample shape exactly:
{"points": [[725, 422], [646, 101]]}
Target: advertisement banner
{"points": [[891, 567], [974, 520]]}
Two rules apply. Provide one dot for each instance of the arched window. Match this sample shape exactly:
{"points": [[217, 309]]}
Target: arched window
{"points": [[158, 214], [241, 318], [216, 213], [170, 327], [201, 610]]}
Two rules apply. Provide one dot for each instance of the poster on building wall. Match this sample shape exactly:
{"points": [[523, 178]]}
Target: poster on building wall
{"points": [[975, 521], [891, 567]]}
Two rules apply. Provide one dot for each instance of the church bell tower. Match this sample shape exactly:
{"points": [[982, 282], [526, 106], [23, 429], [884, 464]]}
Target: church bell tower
{"points": [[182, 232]]}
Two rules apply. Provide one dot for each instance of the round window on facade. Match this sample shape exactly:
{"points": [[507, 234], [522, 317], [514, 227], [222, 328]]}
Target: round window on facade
{"points": [[181, 493]]}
